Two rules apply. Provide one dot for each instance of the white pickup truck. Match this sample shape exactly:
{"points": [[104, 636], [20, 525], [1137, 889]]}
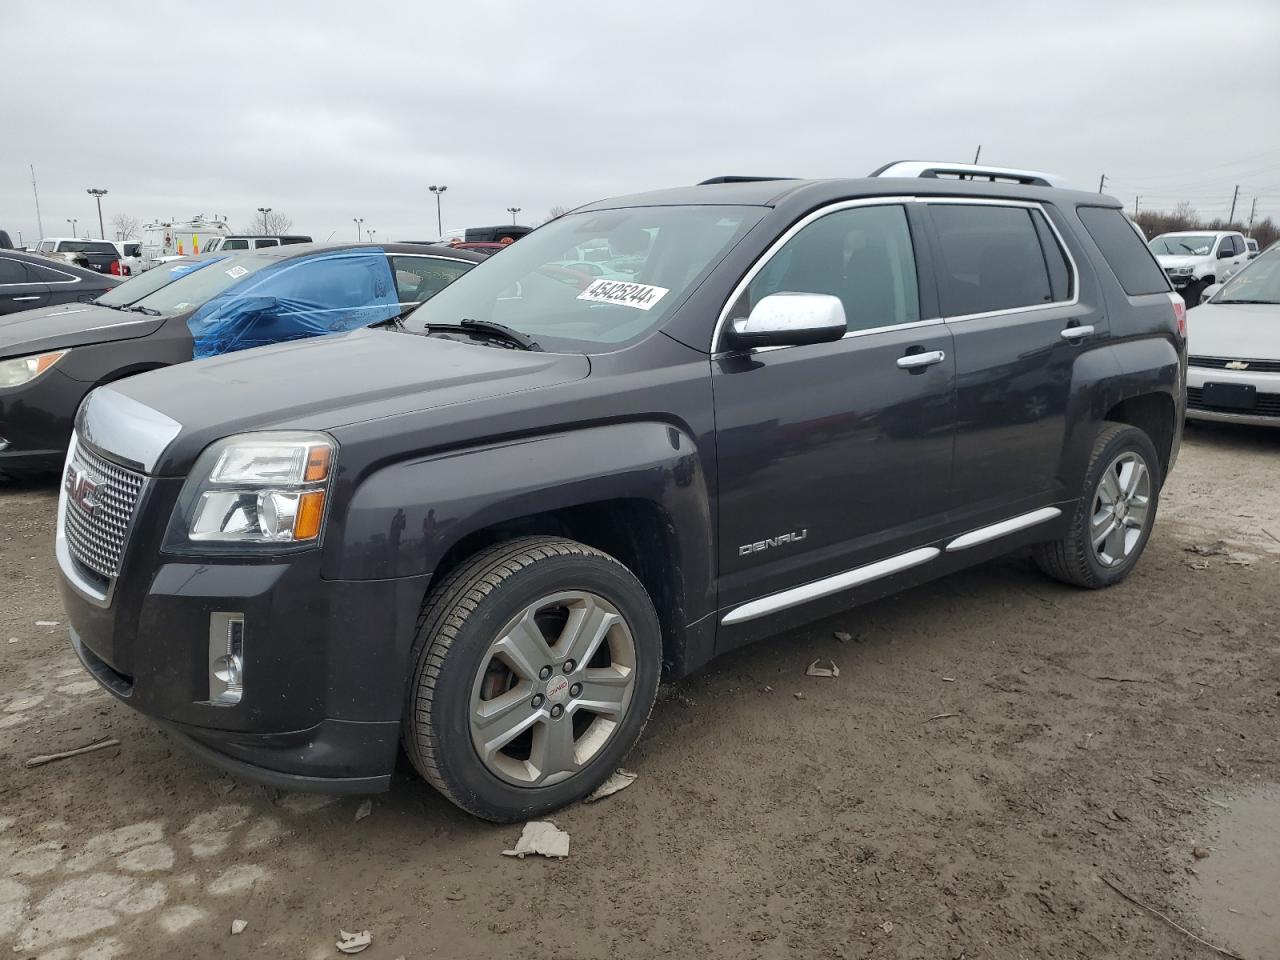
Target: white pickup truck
{"points": [[1195, 259]]}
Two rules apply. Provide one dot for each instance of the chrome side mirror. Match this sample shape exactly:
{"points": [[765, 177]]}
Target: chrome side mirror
{"points": [[791, 319]]}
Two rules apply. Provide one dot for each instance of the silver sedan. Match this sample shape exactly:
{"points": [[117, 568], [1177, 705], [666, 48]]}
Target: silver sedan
{"points": [[1234, 371]]}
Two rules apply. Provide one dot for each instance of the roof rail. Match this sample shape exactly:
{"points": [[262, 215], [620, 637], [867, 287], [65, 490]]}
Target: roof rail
{"points": [[935, 170], [736, 179]]}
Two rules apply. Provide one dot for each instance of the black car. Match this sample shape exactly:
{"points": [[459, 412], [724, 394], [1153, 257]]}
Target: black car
{"points": [[196, 306], [28, 281], [485, 535]]}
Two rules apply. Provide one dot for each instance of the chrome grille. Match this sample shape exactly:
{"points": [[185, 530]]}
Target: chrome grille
{"points": [[1220, 363], [97, 537]]}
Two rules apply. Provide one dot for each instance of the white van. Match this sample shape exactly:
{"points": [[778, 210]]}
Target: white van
{"points": [[168, 239]]}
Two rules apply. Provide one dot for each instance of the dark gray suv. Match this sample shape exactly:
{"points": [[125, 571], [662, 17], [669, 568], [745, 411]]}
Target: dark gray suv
{"points": [[655, 429]]}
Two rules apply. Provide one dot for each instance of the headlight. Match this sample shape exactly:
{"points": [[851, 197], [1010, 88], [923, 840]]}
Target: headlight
{"points": [[256, 488], [16, 372], [1184, 271]]}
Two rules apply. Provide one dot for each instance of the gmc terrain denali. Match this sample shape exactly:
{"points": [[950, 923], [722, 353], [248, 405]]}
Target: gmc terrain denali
{"points": [[653, 430]]}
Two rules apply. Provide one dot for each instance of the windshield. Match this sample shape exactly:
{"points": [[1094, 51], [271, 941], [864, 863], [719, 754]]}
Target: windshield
{"points": [[593, 279], [1181, 246], [1259, 282], [134, 289], [199, 284], [86, 246]]}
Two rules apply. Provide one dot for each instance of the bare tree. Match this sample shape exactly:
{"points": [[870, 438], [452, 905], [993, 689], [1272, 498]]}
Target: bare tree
{"points": [[272, 223], [124, 227], [555, 213]]}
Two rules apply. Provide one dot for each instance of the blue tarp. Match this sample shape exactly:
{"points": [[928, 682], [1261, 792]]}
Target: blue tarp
{"points": [[327, 293]]}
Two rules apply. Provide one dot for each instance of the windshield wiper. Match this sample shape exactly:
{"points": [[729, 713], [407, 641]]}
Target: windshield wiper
{"points": [[1233, 300], [491, 329], [145, 310]]}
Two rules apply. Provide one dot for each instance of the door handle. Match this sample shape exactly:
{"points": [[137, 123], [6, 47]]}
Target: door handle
{"points": [[914, 360], [24, 299], [1077, 333]]}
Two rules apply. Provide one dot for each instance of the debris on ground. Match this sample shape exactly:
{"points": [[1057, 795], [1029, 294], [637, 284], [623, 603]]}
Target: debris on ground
{"points": [[815, 670], [887, 926], [948, 679], [237, 926], [1222, 951], [364, 810], [353, 942], [798, 696], [47, 623], [1200, 853], [620, 780], [842, 636], [941, 716], [541, 837], [1218, 548], [78, 751], [1197, 564]]}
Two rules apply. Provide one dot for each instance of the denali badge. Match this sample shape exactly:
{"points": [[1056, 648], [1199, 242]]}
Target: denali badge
{"points": [[81, 489], [1237, 365], [794, 537]]}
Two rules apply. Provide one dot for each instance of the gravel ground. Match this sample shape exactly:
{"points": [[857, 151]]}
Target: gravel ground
{"points": [[995, 745]]}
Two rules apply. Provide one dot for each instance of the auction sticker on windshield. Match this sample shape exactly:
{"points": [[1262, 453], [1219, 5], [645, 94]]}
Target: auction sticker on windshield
{"points": [[236, 272], [642, 296]]}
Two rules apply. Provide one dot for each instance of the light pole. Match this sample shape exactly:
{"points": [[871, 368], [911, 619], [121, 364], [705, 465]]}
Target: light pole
{"points": [[357, 221], [439, 221], [97, 194], [513, 211], [264, 211], [73, 226], [369, 233]]}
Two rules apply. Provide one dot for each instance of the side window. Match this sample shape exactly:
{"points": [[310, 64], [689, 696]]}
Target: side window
{"points": [[990, 258], [421, 278], [11, 271], [49, 275], [1129, 258], [234, 245], [270, 242], [1060, 279], [1237, 245], [46, 246], [863, 255]]}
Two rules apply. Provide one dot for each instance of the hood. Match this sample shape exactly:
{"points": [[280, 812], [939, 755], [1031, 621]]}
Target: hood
{"points": [[328, 382], [1245, 331], [71, 325], [1190, 260]]}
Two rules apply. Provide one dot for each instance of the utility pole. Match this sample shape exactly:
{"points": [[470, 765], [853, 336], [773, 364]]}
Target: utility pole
{"points": [[1234, 197], [1135, 205], [1253, 209], [357, 221], [39, 222], [977, 153], [513, 211], [98, 194], [1102, 182], [437, 190]]}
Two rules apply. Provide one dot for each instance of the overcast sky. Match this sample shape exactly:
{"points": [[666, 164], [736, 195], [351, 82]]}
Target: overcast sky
{"points": [[329, 111]]}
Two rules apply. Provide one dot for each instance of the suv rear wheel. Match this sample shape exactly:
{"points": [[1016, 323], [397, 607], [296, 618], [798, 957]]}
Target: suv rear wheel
{"points": [[537, 663], [1114, 515]]}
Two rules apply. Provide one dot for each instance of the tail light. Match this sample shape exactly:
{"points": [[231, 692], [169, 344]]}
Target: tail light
{"points": [[1179, 314], [117, 268]]}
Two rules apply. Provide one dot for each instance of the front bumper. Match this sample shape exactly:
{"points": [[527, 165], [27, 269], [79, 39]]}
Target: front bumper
{"points": [[1266, 411], [325, 662], [36, 420]]}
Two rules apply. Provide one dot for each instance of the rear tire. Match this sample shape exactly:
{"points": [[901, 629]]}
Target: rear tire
{"points": [[1114, 513], [536, 665]]}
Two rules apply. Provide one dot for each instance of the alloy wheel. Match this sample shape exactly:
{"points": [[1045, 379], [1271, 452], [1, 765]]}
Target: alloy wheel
{"points": [[1121, 508]]}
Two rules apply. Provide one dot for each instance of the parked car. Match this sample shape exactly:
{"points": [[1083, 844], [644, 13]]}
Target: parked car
{"points": [[1251, 246], [487, 533], [245, 241], [97, 255], [28, 281], [1234, 371], [49, 359], [130, 263], [1194, 259]]}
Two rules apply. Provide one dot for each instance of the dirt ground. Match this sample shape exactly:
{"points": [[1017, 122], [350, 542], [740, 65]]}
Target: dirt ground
{"points": [[994, 747]]}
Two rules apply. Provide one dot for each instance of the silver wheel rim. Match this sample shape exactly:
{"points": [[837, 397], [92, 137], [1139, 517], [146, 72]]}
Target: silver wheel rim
{"points": [[1121, 507], [552, 689]]}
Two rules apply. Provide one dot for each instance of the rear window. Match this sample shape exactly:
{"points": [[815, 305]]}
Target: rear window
{"points": [[1124, 251], [87, 246], [992, 259]]}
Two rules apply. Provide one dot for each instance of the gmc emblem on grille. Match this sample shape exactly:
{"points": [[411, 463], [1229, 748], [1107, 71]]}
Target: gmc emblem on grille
{"points": [[80, 488]]}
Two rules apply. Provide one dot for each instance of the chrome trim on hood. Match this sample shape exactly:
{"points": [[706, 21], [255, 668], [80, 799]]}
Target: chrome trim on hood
{"points": [[123, 427]]}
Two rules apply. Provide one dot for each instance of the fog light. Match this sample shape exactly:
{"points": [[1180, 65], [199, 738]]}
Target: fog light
{"points": [[226, 658]]}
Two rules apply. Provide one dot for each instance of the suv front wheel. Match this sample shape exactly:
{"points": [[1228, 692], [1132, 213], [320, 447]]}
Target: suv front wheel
{"points": [[1114, 514], [536, 666]]}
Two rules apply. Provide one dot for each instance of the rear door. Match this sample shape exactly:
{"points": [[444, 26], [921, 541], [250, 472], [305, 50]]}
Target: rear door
{"points": [[20, 289], [1009, 290], [1238, 256], [834, 456]]}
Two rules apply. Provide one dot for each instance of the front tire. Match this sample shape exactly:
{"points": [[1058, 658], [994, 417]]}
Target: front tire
{"points": [[1114, 514], [536, 666]]}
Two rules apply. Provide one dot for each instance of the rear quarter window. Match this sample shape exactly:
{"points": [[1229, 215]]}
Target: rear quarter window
{"points": [[1125, 253]]}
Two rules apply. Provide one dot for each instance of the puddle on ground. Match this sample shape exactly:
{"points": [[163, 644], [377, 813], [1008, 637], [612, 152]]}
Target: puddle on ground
{"points": [[1239, 890]]}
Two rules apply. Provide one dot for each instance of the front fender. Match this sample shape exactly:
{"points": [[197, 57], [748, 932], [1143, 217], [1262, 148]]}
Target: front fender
{"points": [[404, 517]]}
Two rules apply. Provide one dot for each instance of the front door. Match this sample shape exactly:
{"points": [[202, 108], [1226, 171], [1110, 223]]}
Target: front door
{"points": [[835, 455]]}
